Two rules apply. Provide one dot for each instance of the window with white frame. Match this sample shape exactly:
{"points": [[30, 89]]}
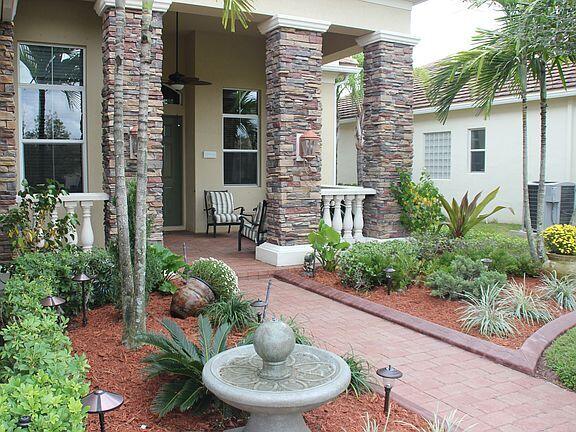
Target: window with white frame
{"points": [[477, 150], [437, 154], [51, 114], [241, 136]]}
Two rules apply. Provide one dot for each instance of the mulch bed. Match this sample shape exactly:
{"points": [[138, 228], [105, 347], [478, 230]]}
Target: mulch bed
{"points": [[114, 368], [417, 301]]}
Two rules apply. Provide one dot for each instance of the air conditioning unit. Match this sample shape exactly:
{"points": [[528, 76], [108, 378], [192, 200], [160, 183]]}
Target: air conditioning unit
{"points": [[558, 202]]}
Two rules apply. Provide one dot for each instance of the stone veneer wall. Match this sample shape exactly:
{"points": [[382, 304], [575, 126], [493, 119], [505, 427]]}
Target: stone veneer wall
{"points": [[293, 82], [388, 130], [7, 128], [131, 89]]}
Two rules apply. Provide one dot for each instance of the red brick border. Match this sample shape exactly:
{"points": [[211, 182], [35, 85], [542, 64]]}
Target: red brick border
{"points": [[524, 359]]}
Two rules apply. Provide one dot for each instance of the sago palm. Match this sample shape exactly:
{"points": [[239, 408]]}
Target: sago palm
{"points": [[183, 361]]}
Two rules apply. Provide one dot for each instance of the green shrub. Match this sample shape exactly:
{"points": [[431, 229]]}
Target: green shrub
{"points": [[166, 266], [182, 361], [39, 375], [525, 304], [360, 381], [364, 265], [463, 277], [328, 246], [221, 278], [419, 202], [488, 313], [561, 358], [300, 333], [561, 290], [233, 310]]}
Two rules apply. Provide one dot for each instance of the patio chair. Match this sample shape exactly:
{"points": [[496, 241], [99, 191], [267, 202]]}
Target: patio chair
{"points": [[220, 210], [253, 227]]}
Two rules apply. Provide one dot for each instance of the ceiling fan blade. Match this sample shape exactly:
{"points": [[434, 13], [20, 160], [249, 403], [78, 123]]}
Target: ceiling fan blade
{"points": [[198, 82]]}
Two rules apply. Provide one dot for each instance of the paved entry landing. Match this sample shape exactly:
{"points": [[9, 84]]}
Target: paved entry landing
{"points": [[437, 376]]}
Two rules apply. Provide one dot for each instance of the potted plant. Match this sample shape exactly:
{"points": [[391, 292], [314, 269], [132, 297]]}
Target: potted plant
{"points": [[560, 241]]}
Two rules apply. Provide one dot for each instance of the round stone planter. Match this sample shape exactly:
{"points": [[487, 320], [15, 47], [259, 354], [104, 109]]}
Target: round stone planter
{"points": [[563, 265]]}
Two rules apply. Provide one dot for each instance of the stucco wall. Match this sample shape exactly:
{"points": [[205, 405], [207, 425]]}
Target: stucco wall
{"points": [[346, 153], [71, 22], [503, 151]]}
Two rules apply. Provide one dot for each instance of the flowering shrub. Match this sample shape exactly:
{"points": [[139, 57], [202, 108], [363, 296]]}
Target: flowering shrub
{"points": [[221, 278], [420, 203], [560, 239]]}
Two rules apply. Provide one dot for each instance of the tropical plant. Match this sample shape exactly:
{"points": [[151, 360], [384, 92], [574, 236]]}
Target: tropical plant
{"points": [[561, 290], [170, 266], [487, 313], [463, 277], [30, 226], [328, 245], [526, 305], [360, 382], [217, 274], [561, 358], [364, 265], [234, 310], [300, 333], [560, 239], [450, 423], [419, 202], [182, 361], [463, 216]]}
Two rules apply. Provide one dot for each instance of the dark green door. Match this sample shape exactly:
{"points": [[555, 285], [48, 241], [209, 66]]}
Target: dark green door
{"points": [[172, 171]]}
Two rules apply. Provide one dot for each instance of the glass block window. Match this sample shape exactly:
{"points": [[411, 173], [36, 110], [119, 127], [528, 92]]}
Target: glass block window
{"points": [[51, 106], [477, 150], [241, 136], [437, 154]]}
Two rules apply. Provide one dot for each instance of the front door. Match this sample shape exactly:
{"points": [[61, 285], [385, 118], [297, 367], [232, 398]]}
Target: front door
{"points": [[172, 171]]}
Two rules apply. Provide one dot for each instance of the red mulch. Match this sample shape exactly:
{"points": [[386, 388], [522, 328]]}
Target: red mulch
{"points": [[114, 368], [417, 301]]}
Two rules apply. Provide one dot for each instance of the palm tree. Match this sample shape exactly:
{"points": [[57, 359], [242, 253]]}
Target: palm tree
{"points": [[236, 10]]}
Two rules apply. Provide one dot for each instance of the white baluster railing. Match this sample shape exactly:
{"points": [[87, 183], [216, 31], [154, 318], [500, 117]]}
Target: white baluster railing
{"points": [[75, 202], [351, 198]]}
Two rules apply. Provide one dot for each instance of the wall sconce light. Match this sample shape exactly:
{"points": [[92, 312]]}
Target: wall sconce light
{"points": [[306, 145]]}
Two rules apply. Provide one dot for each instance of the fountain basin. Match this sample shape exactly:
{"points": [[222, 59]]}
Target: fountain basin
{"points": [[316, 377]]}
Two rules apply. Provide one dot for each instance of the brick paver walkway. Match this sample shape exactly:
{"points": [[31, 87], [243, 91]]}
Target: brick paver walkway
{"points": [[437, 376]]}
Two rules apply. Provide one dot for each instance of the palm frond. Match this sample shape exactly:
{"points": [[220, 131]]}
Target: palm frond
{"points": [[236, 10]]}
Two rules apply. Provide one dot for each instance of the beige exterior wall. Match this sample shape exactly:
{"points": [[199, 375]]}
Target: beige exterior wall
{"points": [[346, 154], [503, 150], [328, 132], [71, 22]]}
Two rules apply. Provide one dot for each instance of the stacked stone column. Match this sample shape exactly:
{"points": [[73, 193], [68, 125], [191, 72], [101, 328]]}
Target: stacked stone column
{"points": [[131, 92], [388, 128], [293, 85], [7, 129]]}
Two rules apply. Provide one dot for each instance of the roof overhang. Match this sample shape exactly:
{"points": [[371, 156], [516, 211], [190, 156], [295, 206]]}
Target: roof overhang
{"points": [[8, 10], [158, 5], [400, 4]]}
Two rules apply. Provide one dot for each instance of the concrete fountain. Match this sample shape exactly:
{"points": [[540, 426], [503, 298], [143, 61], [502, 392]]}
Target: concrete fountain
{"points": [[276, 380]]}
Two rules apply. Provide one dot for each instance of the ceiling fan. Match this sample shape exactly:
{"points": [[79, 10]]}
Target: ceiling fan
{"points": [[177, 80]]}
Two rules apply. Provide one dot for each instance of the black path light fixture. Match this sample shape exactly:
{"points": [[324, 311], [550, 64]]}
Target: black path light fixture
{"points": [[487, 262], [53, 302], [389, 377], [100, 402], [83, 279], [24, 422], [260, 306], [389, 274], [310, 264]]}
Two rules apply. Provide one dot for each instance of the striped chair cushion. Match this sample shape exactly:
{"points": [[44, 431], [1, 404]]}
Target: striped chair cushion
{"points": [[250, 230], [226, 218], [258, 215], [223, 204]]}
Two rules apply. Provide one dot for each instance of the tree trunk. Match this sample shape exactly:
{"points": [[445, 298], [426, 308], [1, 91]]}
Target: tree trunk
{"points": [[141, 235], [525, 179], [125, 259], [543, 143]]}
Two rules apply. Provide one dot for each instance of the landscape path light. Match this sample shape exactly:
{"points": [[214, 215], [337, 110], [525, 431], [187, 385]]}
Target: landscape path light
{"points": [[53, 302], [389, 377], [260, 306], [100, 402], [389, 274], [82, 279], [310, 264], [487, 262], [24, 422]]}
